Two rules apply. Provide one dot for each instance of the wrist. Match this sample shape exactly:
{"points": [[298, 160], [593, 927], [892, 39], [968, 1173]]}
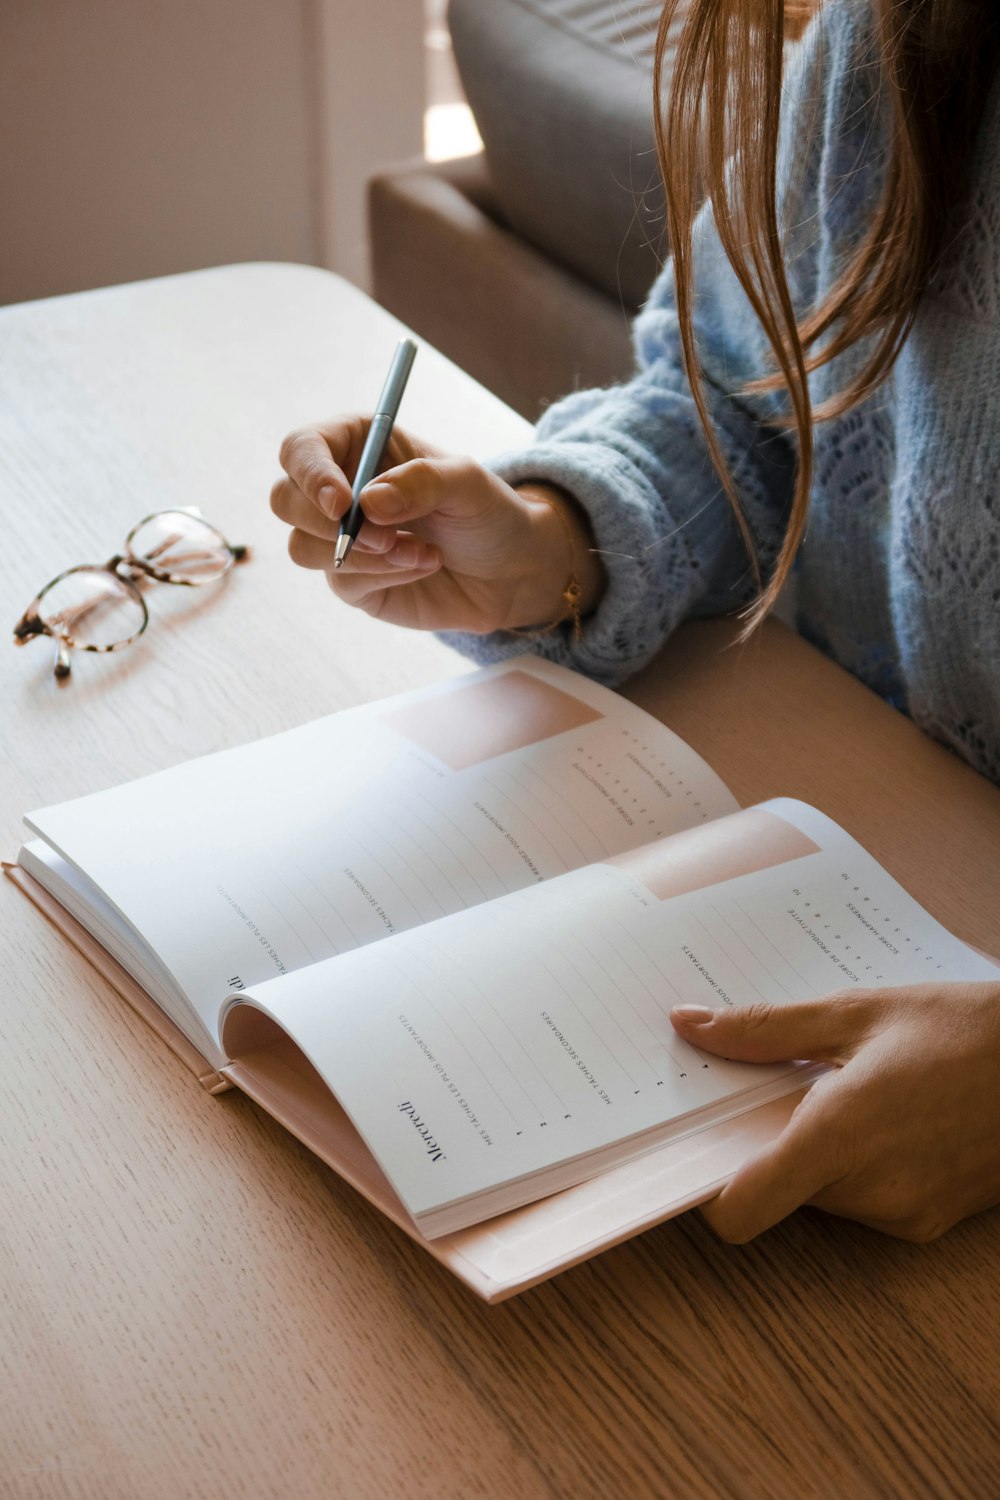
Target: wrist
{"points": [[564, 577]]}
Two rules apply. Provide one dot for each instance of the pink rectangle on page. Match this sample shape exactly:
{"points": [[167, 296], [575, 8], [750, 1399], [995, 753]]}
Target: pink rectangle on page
{"points": [[474, 722], [739, 844]]}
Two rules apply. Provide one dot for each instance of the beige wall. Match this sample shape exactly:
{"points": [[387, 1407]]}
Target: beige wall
{"points": [[142, 137]]}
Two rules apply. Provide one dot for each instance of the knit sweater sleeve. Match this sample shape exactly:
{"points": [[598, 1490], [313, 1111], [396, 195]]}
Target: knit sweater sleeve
{"points": [[635, 457]]}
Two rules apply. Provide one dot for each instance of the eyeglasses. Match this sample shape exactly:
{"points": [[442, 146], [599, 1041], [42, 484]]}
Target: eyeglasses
{"points": [[100, 607]]}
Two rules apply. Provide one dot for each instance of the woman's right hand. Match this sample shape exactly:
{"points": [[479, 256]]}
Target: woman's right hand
{"points": [[445, 544]]}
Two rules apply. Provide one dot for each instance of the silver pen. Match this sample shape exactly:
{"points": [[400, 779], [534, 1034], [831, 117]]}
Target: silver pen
{"points": [[375, 444]]}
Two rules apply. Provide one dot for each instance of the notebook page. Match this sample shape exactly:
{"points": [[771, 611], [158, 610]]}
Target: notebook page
{"points": [[261, 860], [525, 1036]]}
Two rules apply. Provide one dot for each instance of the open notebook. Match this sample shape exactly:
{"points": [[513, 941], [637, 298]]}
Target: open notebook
{"points": [[438, 938]]}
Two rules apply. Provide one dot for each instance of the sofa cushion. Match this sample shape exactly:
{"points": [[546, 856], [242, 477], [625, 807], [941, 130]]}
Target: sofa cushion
{"points": [[562, 95]]}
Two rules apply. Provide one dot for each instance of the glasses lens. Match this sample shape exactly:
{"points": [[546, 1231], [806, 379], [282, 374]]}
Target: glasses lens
{"points": [[180, 547], [91, 607]]}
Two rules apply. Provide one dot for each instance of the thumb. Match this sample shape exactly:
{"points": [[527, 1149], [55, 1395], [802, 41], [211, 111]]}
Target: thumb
{"points": [[457, 487], [825, 1030]]}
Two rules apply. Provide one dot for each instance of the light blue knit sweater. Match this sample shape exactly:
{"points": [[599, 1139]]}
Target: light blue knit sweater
{"points": [[899, 576]]}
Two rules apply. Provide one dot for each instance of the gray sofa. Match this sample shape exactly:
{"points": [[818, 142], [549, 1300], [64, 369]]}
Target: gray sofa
{"points": [[526, 263]]}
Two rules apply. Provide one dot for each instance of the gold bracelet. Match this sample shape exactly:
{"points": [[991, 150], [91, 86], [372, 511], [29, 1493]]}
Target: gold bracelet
{"points": [[572, 593]]}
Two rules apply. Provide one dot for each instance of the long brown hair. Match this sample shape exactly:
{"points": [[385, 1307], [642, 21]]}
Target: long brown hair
{"points": [[717, 132]]}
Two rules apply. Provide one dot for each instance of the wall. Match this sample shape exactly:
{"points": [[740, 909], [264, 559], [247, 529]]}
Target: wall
{"points": [[142, 137]]}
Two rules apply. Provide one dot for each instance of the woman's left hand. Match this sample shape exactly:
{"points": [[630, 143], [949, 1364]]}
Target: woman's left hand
{"points": [[902, 1135]]}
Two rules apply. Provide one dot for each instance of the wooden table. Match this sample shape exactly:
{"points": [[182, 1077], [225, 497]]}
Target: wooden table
{"points": [[191, 1304]]}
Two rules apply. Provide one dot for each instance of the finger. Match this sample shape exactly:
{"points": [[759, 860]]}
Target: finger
{"points": [[408, 554], [308, 459], [407, 493], [371, 591], [788, 1173], [826, 1030], [308, 551], [291, 505]]}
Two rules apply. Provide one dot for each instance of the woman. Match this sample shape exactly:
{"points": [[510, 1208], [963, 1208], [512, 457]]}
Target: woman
{"points": [[823, 341]]}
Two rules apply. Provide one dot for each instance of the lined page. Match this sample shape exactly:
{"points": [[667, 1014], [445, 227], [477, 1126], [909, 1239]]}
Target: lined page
{"points": [[523, 1035], [277, 855]]}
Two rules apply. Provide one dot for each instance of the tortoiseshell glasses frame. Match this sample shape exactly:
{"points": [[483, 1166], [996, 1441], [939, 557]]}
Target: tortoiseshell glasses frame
{"points": [[99, 607]]}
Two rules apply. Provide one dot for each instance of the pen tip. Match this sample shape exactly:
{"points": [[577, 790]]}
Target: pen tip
{"points": [[338, 562]]}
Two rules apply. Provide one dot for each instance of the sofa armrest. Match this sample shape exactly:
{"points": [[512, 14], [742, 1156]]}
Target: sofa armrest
{"points": [[524, 326]]}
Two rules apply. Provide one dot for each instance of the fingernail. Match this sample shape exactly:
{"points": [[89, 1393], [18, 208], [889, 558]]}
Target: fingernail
{"points": [[328, 498], [698, 1015], [382, 502]]}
